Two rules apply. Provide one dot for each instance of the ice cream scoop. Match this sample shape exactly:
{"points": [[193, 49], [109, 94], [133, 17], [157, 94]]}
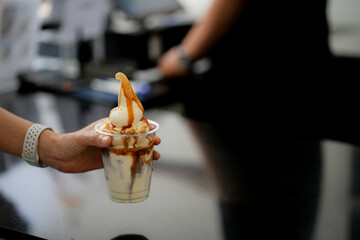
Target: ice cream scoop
{"points": [[129, 109], [128, 117]]}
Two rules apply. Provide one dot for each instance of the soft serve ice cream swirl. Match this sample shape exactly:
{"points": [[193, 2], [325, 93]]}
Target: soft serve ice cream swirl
{"points": [[130, 109], [128, 117], [128, 161]]}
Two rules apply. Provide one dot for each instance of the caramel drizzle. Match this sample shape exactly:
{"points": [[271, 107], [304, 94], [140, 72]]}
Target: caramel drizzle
{"points": [[138, 159], [129, 95]]}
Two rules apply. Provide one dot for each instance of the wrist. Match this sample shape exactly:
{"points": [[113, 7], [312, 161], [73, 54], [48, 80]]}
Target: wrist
{"points": [[184, 57], [31, 142], [48, 142]]}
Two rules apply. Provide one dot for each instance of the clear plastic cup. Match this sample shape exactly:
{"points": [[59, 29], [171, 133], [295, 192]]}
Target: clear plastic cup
{"points": [[128, 164]]}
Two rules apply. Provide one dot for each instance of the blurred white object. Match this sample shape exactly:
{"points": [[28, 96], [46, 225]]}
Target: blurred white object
{"points": [[85, 17], [112, 86], [151, 75], [108, 85], [344, 24], [148, 75], [195, 9], [78, 20], [18, 38]]}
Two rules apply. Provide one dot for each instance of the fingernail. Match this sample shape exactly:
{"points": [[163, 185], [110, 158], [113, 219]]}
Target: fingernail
{"points": [[104, 140]]}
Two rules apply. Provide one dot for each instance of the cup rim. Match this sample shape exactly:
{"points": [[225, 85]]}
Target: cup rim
{"points": [[157, 126]]}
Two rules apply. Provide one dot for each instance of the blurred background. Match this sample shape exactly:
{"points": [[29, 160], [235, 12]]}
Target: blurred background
{"points": [[83, 40], [63, 45], [57, 63]]}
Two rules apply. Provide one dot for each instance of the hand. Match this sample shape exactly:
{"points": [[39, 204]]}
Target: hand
{"points": [[76, 152], [170, 65]]}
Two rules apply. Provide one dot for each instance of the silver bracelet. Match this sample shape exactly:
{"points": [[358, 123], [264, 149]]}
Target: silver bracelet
{"points": [[185, 60], [31, 141]]}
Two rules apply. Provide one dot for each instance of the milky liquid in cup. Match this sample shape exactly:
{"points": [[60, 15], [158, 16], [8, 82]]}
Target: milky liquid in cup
{"points": [[128, 170]]}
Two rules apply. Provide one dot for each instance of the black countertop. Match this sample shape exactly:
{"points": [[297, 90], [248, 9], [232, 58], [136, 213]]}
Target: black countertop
{"points": [[201, 189]]}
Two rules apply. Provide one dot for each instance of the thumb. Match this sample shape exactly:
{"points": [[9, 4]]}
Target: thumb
{"points": [[89, 137], [93, 139], [101, 141]]}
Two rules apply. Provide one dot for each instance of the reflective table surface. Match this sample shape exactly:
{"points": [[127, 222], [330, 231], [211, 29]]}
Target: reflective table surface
{"points": [[201, 189]]}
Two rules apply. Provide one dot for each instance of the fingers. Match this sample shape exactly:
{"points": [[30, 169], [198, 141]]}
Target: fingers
{"points": [[89, 137], [156, 155], [157, 140]]}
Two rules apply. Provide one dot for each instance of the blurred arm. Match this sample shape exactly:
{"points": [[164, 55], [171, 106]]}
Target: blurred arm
{"points": [[13, 130], [218, 20]]}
